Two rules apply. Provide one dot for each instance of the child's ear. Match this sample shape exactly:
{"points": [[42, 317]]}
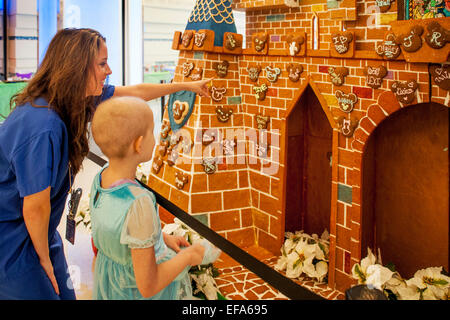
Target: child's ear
{"points": [[138, 144]]}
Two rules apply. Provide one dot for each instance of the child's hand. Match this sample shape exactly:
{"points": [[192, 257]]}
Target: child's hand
{"points": [[175, 242], [197, 252]]}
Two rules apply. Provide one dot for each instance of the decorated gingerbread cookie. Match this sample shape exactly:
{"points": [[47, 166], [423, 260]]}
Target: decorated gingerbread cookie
{"points": [[347, 127], [223, 113], [441, 75], [196, 74], [253, 73], [346, 101], [412, 41], [181, 179], [217, 94], [260, 91], [172, 157], [259, 41], [384, 5], [187, 68], [294, 43], [187, 37], [209, 165], [341, 41], [272, 73], [232, 42], [157, 165], [221, 68], [165, 129], [262, 122], [375, 75], [228, 146], [262, 150], [405, 91], [180, 110], [294, 71], [437, 36], [209, 136], [388, 49], [162, 148], [199, 39], [338, 75]]}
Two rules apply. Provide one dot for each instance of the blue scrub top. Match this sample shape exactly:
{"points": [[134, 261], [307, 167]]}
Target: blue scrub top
{"points": [[34, 153]]}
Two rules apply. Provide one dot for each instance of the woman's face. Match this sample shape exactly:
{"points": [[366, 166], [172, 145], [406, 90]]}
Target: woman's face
{"points": [[101, 71]]}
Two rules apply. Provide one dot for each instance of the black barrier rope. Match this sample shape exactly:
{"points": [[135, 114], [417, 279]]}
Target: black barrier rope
{"points": [[283, 284]]}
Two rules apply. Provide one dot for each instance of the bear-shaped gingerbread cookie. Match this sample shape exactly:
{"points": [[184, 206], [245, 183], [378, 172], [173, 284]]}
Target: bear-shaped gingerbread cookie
{"points": [[437, 36], [294, 70], [338, 75], [341, 41], [259, 41], [412, 41], [405, 91], [294, 43], [346, 101]]}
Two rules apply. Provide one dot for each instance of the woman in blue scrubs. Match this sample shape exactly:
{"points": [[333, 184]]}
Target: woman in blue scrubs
{"points": [[42, 145]]}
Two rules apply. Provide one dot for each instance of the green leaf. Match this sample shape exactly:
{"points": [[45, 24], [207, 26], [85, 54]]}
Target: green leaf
{"points": [[391, 295], [322, 247], [360, 273], [220, 296], [440, 282], [391, 266], [297, 263]]}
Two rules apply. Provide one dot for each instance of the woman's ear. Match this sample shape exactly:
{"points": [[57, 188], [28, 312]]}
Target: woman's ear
{"points": [[137, 145]]}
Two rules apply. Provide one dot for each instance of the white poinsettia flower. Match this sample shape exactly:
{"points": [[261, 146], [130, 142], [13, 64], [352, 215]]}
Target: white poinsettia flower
{"points": [[430, 277], [194, 237], [359, 271], [289, 245], [143, 169], [281, 263], [440, 293], [368, 261], [288, 235], [294, 267], [317, 271], [408, 293], [325, 236], [377, 276], [395, 283], [206, 284], [319, 254], [170, 228], [305, 249]]}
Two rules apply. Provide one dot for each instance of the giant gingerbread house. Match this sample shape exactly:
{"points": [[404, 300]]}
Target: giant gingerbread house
{"points": [[328, 115]]}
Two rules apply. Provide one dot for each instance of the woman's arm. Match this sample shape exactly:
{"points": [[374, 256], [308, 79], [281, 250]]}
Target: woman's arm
{"points": [[150, 91], [151, 278], [36, 214]]}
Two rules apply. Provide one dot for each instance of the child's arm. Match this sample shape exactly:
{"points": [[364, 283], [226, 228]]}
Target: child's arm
{"points": [[151, 277]]}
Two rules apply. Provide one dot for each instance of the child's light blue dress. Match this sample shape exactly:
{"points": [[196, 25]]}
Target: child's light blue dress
{"points": [[122, 218]]}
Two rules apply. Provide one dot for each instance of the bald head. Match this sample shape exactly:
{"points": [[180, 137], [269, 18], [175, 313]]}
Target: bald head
{"points": [[118, 122]]}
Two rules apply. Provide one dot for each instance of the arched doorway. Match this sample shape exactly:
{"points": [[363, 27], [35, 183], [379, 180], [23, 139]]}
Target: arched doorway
{"points": [[405, 189], [308, 166]]}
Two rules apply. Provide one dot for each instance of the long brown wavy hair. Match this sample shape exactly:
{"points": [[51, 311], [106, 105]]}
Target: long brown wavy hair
{"points": [[62, 79]]}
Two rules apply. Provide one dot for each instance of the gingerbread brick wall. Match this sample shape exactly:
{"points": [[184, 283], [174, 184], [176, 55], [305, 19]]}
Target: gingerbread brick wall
{"points": [[245, 202]]}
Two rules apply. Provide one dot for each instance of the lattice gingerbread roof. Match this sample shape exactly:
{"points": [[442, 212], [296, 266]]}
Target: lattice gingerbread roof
{"points": [[216, 15]]}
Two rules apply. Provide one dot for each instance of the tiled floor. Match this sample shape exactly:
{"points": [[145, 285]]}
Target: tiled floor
{"points": [[235, 281], [238, 283]]}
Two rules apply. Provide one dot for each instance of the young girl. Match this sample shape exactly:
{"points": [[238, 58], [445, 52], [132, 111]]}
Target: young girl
{"points": [[135, 258]]}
